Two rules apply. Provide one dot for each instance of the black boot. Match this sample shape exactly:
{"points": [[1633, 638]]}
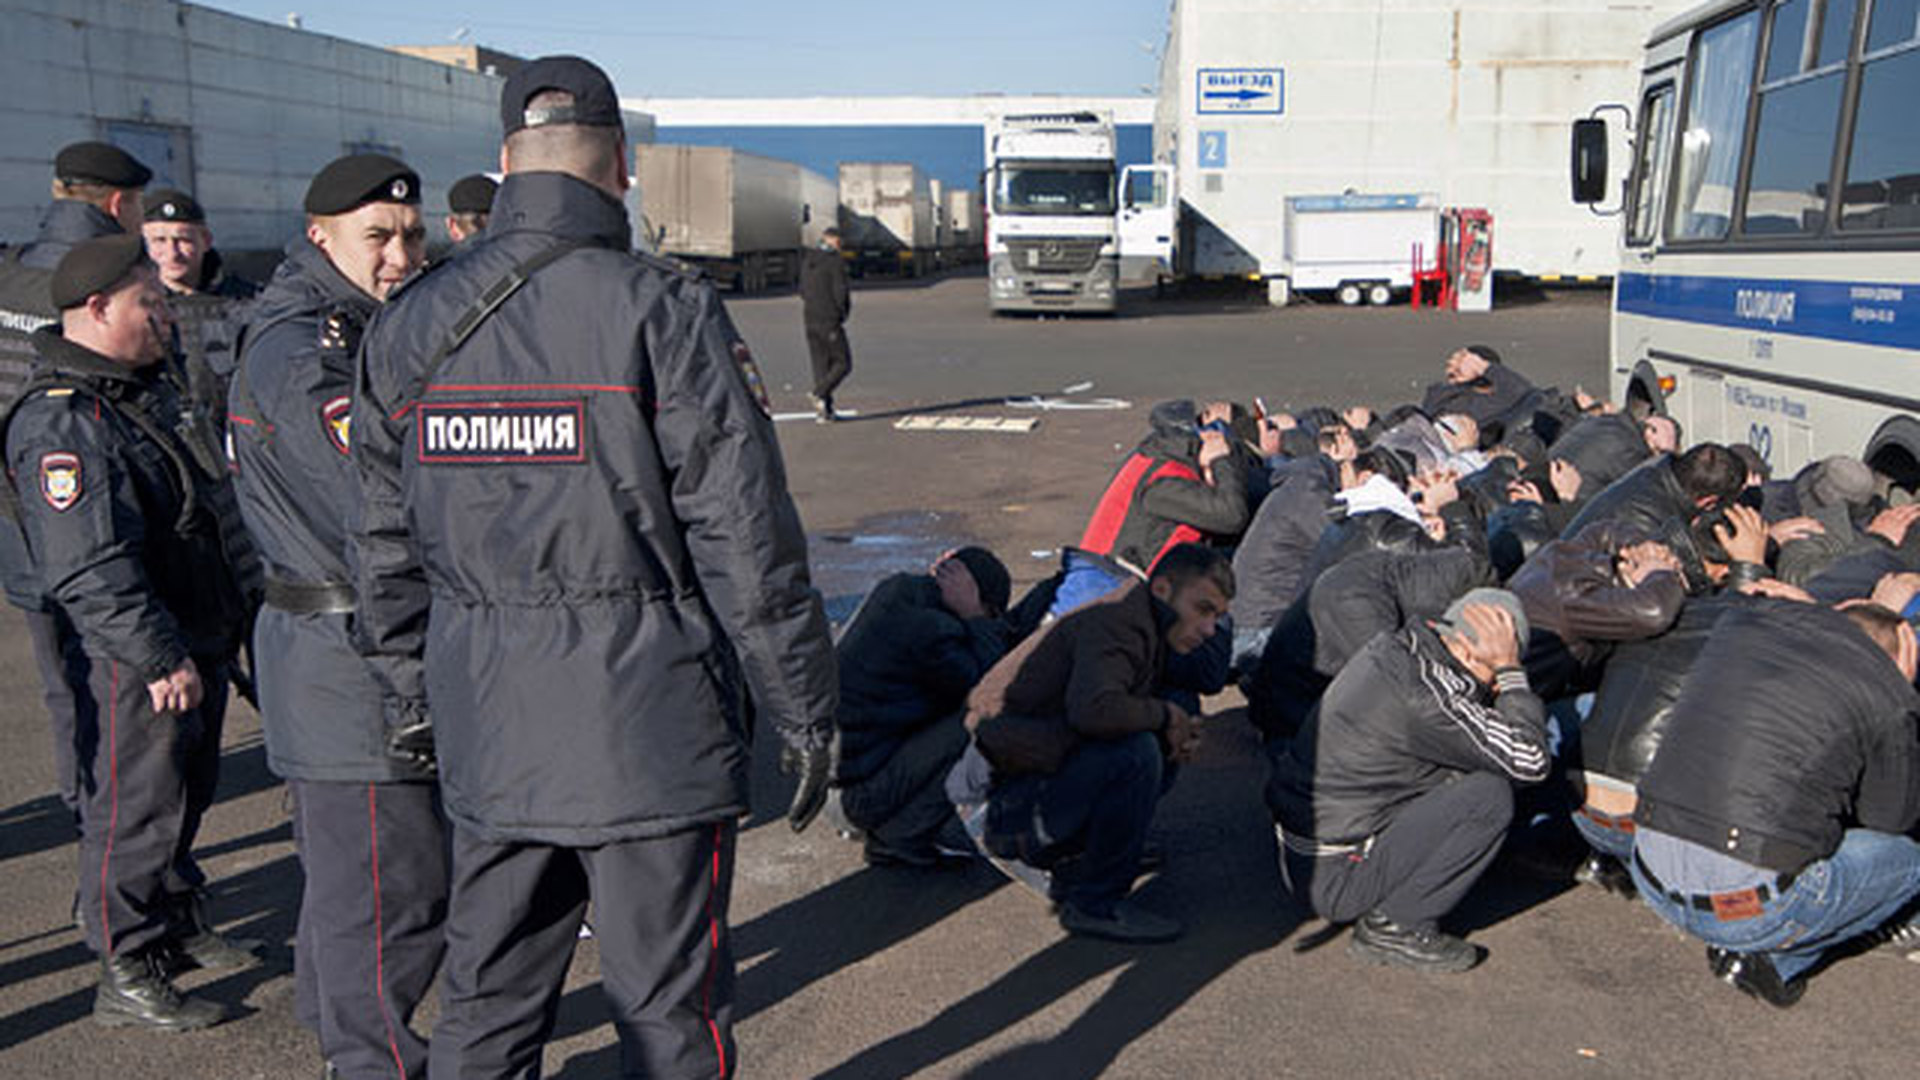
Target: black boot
{"points": [[134, 992], [1421, 948], [195, 944]]}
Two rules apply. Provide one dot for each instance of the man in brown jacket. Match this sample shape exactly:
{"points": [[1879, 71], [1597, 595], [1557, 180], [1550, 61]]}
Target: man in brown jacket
{"points": [[1070, 744]]}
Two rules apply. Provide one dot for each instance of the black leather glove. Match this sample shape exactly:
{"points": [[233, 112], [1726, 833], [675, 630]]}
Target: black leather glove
{"points": [[413, 743], [814, 770]]}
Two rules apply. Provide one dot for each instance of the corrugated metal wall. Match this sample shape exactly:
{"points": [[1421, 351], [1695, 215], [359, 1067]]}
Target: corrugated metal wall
{"points": [[238, 111]]}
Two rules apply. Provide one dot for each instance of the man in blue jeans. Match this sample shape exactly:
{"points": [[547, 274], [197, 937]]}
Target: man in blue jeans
{"points": [[1071, 746], [1772, 824]]}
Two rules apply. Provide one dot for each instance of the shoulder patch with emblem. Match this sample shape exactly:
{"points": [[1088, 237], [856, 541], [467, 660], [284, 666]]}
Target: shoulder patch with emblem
{"points": [[336, 416], [340, 330], [750, 371], [60, 479]]}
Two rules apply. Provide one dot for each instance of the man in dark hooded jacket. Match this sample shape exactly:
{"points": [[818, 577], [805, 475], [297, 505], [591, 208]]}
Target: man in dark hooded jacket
{"points": [[918, 644], [826, 299]]}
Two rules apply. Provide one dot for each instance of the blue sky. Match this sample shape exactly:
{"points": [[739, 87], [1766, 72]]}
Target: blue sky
{"points": [[785, 48]]}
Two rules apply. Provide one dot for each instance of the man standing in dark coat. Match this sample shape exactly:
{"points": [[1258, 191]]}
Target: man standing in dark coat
{"points": [[574, 508], [205, 300], [371, 838], [96, 192], [917, 646], [826, 298], [123, 518]]}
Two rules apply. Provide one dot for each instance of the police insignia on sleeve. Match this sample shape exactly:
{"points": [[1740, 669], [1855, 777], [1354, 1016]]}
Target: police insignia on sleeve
{"points": [[337, 417], [60, 480], [750, 371], [340, 331]]}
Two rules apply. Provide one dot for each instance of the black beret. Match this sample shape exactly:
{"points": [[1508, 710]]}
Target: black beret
{"points": [[472, 194], [353, 181], [594, 102], [172, 204], [95, 266], [100, 163]]}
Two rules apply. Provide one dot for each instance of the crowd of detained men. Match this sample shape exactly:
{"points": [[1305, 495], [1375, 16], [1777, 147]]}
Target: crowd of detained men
{"points": [[1504, 596]]}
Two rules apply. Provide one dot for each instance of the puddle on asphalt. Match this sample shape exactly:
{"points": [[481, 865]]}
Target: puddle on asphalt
{"points": [[847, 564]]}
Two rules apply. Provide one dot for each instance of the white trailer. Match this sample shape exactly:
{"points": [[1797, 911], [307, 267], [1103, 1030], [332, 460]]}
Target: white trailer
{"points": [[740, 217], [1262, 100], [1360, 247], [886, 217]]}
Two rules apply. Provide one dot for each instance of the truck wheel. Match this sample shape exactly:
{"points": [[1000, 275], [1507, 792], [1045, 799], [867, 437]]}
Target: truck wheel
{"points": [[1379, 294], [1349, 294]]}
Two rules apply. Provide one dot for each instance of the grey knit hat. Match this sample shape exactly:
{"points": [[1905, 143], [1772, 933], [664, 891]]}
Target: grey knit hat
{"points": [[1454, 621]]}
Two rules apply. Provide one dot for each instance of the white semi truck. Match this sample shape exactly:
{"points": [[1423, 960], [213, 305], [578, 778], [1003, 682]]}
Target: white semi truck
{"points": [[1055, 217]]}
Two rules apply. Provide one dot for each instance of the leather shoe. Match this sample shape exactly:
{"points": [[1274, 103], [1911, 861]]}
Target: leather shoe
{"points": [[1127, 922], [1608, 874], [135, 992], [1380, 940], [1754, 975]]}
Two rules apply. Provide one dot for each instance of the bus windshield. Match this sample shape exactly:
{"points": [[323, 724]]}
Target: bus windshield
{"points": [[1074, 188]]}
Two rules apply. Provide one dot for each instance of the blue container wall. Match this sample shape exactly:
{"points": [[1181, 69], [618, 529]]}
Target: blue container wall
{"points": [[953, 155]]}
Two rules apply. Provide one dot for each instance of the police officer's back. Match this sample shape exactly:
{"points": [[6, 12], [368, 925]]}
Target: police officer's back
{"points": [[574, 504]]}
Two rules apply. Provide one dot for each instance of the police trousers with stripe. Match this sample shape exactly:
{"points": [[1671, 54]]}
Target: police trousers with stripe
{"points": [[372, 921], [145, 781], [659, 922]]}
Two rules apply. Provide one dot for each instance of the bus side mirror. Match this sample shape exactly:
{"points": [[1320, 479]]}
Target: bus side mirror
{"points": [[1589, 161]]}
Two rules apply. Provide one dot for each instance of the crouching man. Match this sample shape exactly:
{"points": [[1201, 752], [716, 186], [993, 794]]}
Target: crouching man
{"points": [[1070, 745], [919, 643], [1772, 825], [1395, 796]]}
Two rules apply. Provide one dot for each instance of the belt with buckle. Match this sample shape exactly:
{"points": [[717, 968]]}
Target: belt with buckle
{"points": [[1726, 906], [1623, 823]]}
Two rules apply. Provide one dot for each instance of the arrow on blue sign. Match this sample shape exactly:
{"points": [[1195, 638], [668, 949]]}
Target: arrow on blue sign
{"points": [[1239, 95]]}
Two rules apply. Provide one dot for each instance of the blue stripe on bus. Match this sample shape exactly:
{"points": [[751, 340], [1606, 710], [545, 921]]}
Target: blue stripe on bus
{"points": [[1885, 314]]}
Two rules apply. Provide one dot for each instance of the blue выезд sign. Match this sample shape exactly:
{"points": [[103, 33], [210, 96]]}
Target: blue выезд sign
{"points": [[1241, 90]]}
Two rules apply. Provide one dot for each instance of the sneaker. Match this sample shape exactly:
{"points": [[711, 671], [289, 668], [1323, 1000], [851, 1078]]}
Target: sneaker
{"points": [[1608, 874], [1127, 922], [1380, 940], [822, 409], [1754, 975], [1899, 939]]}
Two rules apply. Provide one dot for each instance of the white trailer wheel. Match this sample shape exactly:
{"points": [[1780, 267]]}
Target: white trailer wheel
{"points": [[1349, 294], [1379, 294]]}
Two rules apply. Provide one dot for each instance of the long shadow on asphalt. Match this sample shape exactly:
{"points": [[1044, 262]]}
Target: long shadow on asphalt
{"points": [[43, 824]]}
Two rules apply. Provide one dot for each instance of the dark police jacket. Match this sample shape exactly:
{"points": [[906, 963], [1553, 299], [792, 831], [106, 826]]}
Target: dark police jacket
{"points": [[321, 705], [826, 298], [581, 523], [26, 276], [1793, 727], [208, 321], [1402, 719], [906, 662], [122, 515]]}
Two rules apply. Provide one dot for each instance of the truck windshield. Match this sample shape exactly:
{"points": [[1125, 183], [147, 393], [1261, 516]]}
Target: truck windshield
{"points": [[1054, 188]]}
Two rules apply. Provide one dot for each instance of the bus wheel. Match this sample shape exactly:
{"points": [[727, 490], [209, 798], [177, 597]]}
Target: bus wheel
{"points": [[1894, 456], [1349, 294]]}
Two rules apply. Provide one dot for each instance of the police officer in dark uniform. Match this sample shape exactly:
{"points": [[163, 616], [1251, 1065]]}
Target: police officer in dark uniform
{"points": [[368, 823], [96, 192], [122, 517], [573, 504], [205, 300], [469, 205]]}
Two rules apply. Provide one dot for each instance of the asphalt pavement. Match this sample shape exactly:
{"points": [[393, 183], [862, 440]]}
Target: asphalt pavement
{"points": [[857, 973]]}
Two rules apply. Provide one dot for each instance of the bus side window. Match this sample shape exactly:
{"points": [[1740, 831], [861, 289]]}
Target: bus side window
{"points": [[1650, 164], [1798, 118], [1882, 189], [1716, 123]]}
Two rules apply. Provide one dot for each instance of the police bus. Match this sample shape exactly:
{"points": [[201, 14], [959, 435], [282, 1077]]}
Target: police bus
{"points": [[1769, 282]]}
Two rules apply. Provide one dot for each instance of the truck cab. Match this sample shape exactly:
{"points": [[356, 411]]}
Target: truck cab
{"points": [[1052, 200]]}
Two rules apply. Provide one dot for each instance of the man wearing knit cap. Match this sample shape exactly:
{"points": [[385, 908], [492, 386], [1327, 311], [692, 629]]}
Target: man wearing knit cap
{"points": [[469, 204], [202, 296], [368, 822], [122, 515], [1396, 794], [573, 507], [96, 192]]}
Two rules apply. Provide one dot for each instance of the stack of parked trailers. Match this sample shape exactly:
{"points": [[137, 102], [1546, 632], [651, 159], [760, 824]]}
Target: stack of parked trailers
{"points": [[887, 223], [741, 218], [964, 225]]}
